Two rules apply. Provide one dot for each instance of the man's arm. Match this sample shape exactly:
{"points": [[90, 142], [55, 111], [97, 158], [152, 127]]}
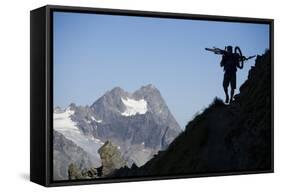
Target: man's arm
{"points": [[222, 61]]}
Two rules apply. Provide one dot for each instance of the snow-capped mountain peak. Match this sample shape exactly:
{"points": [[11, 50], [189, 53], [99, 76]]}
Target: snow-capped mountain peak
{"points": [[140, 123]]}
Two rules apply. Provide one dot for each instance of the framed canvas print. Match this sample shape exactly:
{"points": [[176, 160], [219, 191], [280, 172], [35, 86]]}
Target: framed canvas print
{"points": [[122, 95]]}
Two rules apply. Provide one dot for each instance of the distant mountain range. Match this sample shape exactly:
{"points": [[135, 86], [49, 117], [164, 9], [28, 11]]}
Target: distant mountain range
{"points": [[139, 123]]}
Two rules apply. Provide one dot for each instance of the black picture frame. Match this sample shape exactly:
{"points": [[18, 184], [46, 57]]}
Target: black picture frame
{"points": [[41, 93]]}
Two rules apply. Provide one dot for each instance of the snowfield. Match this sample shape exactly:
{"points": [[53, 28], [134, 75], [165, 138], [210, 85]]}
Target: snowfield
{"points": [[134, 107], [64, 125]]}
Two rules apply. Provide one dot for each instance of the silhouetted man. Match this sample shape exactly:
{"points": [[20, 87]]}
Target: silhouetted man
{"points": [[230, 62]]}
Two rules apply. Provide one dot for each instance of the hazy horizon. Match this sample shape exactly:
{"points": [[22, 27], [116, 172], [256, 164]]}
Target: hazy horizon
{"points": [[95, 53]]}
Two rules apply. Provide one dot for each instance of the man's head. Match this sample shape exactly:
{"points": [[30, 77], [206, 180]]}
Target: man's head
{"points": [[229, 49]]}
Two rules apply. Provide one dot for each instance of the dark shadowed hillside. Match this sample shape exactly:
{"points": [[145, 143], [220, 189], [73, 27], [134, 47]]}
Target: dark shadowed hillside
{"points": [[235, 137]]}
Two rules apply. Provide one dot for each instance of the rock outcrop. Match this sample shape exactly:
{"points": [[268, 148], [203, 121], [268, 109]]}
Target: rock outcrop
{"points": [[74, 172], [111, 159]]}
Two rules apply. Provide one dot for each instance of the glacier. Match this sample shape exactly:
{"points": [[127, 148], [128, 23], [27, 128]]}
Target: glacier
{"points": [[134, 107], [64, 125]]}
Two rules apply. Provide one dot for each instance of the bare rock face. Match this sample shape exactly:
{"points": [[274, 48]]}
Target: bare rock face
{"points": [[156, 127], [111, 158]]}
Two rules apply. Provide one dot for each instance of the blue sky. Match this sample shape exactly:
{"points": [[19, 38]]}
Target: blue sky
{"points": [[95, 53]]}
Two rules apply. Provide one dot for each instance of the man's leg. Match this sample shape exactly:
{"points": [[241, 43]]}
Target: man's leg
{"points": [[226, 94], [231, 94], [233, 86], [225, 85]]}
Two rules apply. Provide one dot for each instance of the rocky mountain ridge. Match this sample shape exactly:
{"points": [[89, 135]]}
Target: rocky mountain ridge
{"points": [[223, 138]]}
